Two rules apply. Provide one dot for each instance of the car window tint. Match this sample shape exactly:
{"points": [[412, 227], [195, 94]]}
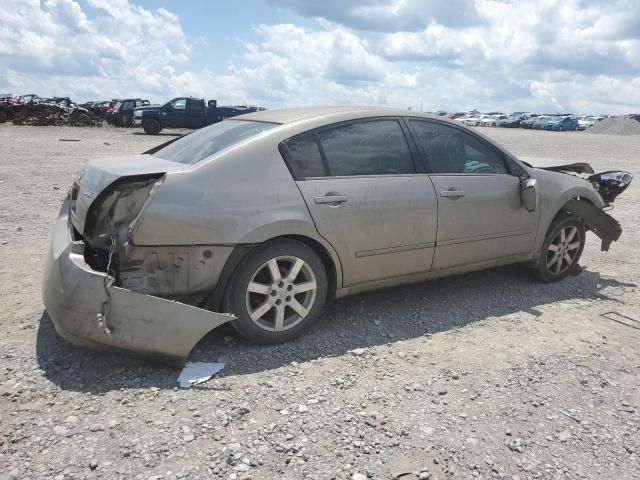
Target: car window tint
{"points": [[452, 150], [210, 140], [127, 106], [303, 157], [366, 148], [180, 104]]}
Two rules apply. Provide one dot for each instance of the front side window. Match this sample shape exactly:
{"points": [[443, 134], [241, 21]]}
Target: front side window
{"points": [[452, 150], [179, 104], [127, 106], [210, 140], [375, 147]]}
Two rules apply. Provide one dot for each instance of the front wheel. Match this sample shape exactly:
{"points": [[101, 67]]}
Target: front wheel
{"points": [[151, 127], [276, 292], [562, 249]]}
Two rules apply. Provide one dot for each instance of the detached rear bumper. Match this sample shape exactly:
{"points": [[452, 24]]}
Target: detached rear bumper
{"points": [[75, 297]]}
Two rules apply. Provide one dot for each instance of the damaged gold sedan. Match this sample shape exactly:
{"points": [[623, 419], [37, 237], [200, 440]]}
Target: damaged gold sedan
{"points": [[261, 219]]}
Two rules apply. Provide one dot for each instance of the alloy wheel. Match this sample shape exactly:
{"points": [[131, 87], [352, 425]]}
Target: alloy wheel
{"points": [[281, 293], [563, 250]]}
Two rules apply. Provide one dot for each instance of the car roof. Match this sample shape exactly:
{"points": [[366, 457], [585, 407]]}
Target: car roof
{"points": [[291, 115]]}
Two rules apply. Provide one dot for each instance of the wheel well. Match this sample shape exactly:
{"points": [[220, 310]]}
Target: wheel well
{"points": [[563, 210], [214, 301]]}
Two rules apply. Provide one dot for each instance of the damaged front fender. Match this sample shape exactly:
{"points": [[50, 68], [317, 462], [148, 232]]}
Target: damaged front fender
{"points": [[599, 222], [75, 296]]}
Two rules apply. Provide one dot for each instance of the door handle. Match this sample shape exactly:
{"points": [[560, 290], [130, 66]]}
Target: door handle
{"points": [[331, 199], [452, 193]]}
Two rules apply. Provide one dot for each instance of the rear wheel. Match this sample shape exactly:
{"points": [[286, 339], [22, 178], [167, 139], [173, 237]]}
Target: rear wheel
{"points": [[562, 249], [151, 127], [277, 292], [3, 117]]}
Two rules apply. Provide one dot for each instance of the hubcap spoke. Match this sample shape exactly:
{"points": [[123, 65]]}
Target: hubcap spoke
{"points": [[279, 323], [304, 287], [298, 307], [572, 233], [562, 236], [573, 246], [274, 270], [295, 270], [261, 310], [568, 259], [259, 288], [558, 265], [553, 247]]}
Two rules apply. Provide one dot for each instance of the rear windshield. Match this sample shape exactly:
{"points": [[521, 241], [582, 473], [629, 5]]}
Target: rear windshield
{"points": [[210, 140]]}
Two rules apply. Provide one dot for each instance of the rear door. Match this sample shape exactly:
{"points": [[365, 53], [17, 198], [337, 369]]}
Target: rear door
{"points": [[366, 197], [480, 212], [195, 113]]}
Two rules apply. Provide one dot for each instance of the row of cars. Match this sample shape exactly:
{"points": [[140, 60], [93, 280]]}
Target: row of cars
{"points": [[555, 122]]}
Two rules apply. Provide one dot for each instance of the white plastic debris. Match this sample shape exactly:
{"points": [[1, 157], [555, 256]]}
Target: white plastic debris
{"points": [[194, 373]]}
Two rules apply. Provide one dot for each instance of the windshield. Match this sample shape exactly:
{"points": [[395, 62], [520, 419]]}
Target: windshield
{"points": [[210, 140]]}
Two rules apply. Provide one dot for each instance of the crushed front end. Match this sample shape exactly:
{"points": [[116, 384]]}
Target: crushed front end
{"points": [[96, 289]]}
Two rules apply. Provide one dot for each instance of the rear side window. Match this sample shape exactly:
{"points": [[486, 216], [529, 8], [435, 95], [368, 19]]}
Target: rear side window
{"points": [[303, 157], [210, 140], [376, 147], [452, 150]]}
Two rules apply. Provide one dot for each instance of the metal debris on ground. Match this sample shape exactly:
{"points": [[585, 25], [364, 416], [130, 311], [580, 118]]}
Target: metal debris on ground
{"points": [[195, 373], [622, 319]]}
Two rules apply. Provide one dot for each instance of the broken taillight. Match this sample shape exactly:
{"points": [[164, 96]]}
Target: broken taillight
{"points": [[117, 208]]}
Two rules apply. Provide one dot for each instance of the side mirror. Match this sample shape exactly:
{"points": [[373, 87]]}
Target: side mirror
{"points": [[168, 106], [529, 194]]}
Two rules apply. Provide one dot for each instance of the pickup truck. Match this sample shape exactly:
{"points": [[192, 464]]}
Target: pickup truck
{"points": [[185, 112]]}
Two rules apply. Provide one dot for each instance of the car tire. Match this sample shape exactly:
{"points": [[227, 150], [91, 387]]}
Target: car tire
{"points": [[560, 245], [3, 117], [560, 129], [151, 127], [266, 310]]}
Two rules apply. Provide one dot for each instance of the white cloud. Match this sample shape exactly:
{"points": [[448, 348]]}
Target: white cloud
{"points": [[569, 55]]}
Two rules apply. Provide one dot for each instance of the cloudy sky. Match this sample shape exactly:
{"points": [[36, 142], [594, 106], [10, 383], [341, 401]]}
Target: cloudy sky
{"points": [[543, 55]]}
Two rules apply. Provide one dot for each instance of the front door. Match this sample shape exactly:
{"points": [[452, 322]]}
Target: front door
{"points": [[366, 198], [480, 212], [175, 116]]}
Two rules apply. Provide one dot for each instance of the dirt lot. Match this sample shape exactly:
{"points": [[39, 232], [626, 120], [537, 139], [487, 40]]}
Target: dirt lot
{"points": [[486, 375]]}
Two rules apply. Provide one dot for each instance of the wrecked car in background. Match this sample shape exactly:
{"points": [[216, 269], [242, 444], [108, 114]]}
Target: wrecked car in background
{"points": [[261, 219]]}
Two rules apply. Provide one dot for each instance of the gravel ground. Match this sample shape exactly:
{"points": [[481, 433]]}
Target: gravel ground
{"points": [[485, 375], [616, 126]]}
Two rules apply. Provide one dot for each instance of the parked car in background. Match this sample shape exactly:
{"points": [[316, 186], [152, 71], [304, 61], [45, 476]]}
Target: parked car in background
{"points": [[471, 120], [267, 216], [588, 121], [561, 124], [186, 112], [540, 122], [475, 121], [514, 120], [122, 113], [528, 122], [7, 106], [491, 120]]}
